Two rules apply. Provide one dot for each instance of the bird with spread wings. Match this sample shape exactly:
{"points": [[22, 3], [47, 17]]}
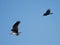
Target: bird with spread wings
{"points": [[15, 28], [47, 12]]}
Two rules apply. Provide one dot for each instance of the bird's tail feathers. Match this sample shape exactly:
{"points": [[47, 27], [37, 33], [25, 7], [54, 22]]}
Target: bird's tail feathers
{"points": [[18, 33]]}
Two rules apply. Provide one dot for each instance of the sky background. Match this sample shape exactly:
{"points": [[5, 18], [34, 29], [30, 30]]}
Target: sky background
{"points": [[36, 29]]}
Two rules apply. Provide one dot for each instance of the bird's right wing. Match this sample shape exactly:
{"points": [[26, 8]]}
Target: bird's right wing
{"points": [[15, 26]]}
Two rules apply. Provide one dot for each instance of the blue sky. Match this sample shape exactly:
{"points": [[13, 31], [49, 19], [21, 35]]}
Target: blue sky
{"points": [[36, 29]]}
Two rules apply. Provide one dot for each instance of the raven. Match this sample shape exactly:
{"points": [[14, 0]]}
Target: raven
{"points": [[15, 28], [47, 12]]}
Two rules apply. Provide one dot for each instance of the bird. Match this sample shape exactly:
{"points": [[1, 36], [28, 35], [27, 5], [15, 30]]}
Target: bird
{"points": [[48, 12], [15, 28]]}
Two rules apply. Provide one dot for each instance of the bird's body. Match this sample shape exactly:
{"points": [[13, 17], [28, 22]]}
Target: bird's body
{"points": [[15, 28], [47, 12]]}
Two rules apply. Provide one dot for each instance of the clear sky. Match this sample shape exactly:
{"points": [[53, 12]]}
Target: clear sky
{"points": [[36, 29]]}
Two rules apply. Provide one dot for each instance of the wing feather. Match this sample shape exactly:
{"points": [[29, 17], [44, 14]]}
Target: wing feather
{"points": [[15, 26]]}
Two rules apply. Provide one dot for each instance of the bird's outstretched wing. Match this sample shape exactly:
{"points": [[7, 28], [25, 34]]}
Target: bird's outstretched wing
{"points": [[47, 12], [15, 26]]}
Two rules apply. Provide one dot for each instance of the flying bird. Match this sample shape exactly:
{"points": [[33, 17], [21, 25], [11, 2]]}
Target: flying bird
{"points": [[47, 12], [15, 28]]}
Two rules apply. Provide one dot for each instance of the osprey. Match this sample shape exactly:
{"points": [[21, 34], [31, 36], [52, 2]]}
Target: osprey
{"points": [[47, 12], [15, 28]]}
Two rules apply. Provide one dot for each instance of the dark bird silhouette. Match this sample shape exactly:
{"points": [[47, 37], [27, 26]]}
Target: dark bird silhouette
{"points": [[47, 12], [15, 28]]}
